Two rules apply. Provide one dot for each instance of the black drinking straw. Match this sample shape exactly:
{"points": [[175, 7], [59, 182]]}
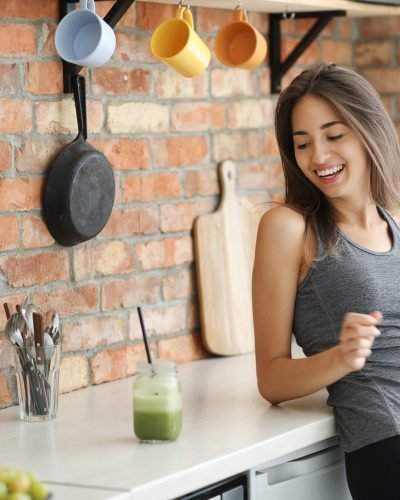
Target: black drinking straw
{"points": [[146, 344]]}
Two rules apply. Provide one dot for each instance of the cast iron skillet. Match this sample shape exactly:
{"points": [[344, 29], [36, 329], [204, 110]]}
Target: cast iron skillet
{"points": [[80, 188]]}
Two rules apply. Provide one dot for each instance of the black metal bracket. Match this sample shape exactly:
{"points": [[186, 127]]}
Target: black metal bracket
{"points": [[112, 18], [278, 68]]}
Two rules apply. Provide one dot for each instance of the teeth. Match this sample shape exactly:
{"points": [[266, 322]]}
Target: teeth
{"points": [[329, 171]]}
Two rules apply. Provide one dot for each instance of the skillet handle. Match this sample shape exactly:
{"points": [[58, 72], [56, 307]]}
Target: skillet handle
{"points": [[78, 89]]}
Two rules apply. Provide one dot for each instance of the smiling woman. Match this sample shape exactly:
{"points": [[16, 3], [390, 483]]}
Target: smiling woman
{"points": [[324, 269]]}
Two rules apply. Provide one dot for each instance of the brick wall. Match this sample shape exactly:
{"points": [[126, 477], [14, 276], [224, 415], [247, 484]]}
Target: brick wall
{"points": [[164, 136]]}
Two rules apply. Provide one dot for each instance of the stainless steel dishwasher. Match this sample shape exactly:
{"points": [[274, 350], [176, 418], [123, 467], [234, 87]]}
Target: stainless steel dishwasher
{"points": [[317, 474]]}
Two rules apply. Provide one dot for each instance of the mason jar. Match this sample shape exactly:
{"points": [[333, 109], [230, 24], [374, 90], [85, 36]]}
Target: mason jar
{"points": [[157, 402]]}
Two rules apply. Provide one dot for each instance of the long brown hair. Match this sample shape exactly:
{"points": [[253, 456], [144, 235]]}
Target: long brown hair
{"points": [[362, 110]]}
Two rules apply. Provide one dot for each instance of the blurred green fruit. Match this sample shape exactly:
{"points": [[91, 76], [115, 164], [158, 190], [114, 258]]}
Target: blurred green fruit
{"points": [[3, 490], [18, 496], [6, 474], [39, 490], [20, 483]]}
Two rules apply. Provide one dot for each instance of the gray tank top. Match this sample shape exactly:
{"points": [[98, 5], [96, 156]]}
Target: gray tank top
{"points": [[366, 403]]}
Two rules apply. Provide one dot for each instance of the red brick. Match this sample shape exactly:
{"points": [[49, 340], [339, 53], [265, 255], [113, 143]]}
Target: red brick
{"points": [[212, 20], [109, 365], [182, 349], [202, 182], [135, 354], [385, 80], [193, 315], [270, 144], [88, 333], [17, 39], [124, 153], [6, 156], [59, 117], [265, 82], [35, 155], [10, 79], [337, 51], [165, 253], [35, 233], [254, 177], [240, 146], [178, 285], [44, 77], [373, 53], [197, 116], [15, 116], [20, 194], [30, 10], [379, 26], [180, 216], [48, 48], [133, 48], [151, 187], [122, 294], [74, 373], [68, 301], [344, 27], [131, 221], [120, 81], [35, 269], [171, 85], [181, 151], [150, 15], [226, 82], [6, 398], [167, 320], [9, 235], [104, 259]]}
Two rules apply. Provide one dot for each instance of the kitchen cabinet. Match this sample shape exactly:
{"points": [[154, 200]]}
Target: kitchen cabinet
{"points": [[228, 430]]}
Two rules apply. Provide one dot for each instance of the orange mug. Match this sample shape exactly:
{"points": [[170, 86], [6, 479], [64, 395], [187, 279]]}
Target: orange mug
{"points": [[239, 44], [176, 44]]}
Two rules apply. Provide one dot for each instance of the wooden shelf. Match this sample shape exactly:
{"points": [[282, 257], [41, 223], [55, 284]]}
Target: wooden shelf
{"points": [[352, 8]]}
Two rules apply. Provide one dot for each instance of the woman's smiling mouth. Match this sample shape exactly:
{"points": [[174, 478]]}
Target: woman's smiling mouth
{"points": [[329, 173]]}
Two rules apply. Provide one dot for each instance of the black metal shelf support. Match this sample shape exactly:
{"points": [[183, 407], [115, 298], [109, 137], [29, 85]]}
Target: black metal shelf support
{"points": [[111, 18], [277, 67]]}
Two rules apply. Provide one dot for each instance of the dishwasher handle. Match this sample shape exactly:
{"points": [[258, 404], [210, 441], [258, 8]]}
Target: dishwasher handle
{"points": [[302, 466]]}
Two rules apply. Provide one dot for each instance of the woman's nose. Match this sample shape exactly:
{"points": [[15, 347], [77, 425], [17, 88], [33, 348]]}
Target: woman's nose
{"points": [[321, 154]]}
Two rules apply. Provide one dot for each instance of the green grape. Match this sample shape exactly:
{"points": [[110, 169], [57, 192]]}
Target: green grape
{"points": [[17, 495], [3, 490], [6, 474], [39, 490], [20, 483]]}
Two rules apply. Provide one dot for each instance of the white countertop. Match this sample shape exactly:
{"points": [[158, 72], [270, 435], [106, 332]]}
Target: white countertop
{"points": [[227, 428]]}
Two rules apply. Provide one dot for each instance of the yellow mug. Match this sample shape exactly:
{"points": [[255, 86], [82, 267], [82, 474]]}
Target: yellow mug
{"points": [[176, 44], [239, 45]]}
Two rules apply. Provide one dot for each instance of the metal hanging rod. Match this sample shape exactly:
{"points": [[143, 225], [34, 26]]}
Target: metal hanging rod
{"points": [[278, 68], [112, 18]]}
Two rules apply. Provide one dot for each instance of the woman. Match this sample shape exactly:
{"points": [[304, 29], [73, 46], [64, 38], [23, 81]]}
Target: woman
{"points": [[326, 268]]}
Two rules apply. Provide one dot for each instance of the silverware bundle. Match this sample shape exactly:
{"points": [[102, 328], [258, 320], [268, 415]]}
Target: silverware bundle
{"points": [[34, 336]]}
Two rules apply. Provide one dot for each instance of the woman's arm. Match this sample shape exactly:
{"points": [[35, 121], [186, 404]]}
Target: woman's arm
{"points": [[278, 260]]}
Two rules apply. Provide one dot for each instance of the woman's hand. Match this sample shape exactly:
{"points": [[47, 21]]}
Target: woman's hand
{"points": [[357, 335]]}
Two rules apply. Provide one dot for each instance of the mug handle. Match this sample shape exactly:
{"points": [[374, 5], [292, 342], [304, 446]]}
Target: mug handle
{"points": [[87, 5], [241, 15], [185, 14]]}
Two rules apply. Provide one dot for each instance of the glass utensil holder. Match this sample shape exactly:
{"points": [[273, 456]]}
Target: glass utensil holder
{"points": [[37, 371], [157, 402]]}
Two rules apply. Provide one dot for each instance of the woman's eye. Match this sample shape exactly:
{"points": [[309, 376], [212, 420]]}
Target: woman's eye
{"points": [[335, 137], [302, 146]]}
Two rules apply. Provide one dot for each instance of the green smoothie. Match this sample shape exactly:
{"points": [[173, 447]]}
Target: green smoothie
{"points": [[157, 407]]}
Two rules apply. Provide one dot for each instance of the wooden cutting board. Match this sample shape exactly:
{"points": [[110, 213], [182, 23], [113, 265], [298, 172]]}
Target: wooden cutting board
{"points": [[224, 252]]}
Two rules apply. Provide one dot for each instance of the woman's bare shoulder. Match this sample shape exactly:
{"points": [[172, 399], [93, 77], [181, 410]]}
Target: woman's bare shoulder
{"points": [[283, 220]]}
